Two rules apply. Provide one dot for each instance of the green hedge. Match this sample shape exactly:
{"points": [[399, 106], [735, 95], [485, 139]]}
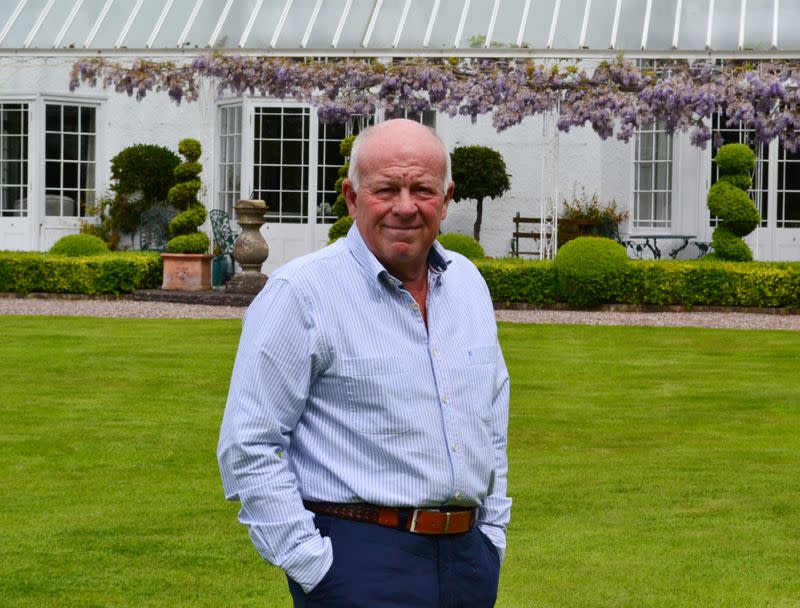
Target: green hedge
{"points": [[112, 273], [657, 282]]}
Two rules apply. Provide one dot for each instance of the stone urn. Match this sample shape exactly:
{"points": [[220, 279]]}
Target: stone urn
{"points": [[250, 250], [187, 271]]}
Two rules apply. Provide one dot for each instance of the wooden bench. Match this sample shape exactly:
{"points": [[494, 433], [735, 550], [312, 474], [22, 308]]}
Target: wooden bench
{"points": [[531, 228]]}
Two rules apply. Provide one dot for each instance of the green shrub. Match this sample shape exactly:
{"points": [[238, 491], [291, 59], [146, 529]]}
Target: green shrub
{"points": [[79, 244], [731, 203], [339, 228], [735, 158], [514, 280], [144, 168], [463, 244], [591, 270], [738, 180], [734, 248], [111, 273], [195, 242]]}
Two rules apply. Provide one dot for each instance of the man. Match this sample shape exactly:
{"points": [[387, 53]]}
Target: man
{"points": [[365, 429]]}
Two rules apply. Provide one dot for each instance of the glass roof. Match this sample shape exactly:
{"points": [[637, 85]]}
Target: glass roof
{"points": [[404, 27]]}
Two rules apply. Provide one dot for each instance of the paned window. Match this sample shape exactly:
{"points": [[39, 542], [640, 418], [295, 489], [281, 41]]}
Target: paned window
{"points": [[281, 162], [788, 208], [13, 160], [70, 142], [652, 190], [230, 162]]}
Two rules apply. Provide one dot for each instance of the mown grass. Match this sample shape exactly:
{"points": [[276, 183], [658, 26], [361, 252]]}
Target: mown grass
{"points": [[649, 467]]}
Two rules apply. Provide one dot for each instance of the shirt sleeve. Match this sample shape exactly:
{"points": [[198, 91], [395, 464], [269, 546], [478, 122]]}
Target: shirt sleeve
{"points": [[275, 364], [495, 512]]}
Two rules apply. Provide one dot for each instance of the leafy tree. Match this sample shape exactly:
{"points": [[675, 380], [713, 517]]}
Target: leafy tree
{"points": [[478, 172]]}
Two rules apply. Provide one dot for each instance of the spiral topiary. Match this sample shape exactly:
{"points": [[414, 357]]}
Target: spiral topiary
{"points": [[340, 227], [183, 195], [729, 201]]}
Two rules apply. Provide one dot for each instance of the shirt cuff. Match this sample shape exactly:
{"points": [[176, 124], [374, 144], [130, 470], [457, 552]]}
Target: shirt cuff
{"points": [[310, 562], [497, 536]]}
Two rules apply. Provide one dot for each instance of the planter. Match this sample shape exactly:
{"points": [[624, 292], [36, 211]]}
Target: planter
{"points": [[219, 270], [187, 271]]}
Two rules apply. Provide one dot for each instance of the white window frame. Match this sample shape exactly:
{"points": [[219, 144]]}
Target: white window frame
{"points": [[25, 188], [668, 225], [224, 198], [99, 171]]}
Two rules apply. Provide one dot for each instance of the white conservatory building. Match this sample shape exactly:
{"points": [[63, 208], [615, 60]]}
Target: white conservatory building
{"points": [[56, 145]]}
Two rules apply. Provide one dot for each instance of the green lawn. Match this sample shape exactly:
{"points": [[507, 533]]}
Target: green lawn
{"points": [[649, 467]]}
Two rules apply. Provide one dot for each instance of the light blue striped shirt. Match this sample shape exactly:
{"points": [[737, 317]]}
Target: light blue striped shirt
{"points": [[341, 394]]}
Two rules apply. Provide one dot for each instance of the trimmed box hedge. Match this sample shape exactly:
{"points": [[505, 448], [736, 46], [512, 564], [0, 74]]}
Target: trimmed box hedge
{"points": [[113, 273], [656, 282]]}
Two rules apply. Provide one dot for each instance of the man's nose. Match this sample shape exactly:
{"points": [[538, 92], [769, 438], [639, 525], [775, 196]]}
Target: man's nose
{"points": [[404, 203]]}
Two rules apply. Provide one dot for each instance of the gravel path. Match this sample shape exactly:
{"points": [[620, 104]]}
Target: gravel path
{"points": [[163, 310]]}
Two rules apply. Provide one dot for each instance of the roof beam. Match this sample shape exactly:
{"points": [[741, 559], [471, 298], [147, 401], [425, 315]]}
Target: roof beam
{"points": [[402, 24], [281, 22], [310, 26], [552, 35], [340, 26], [164, 12], [96, 27], [492, 21], [428, 31], [373, 18], [250, 22], [677, 29], [12, 19], [461, 23], [126, 28], [40, 19], [189, 23], [646, 27], [615, 28], [70, 18], [218, 28], [775, 7], [584, 24], [742, 13], [709, 23]]}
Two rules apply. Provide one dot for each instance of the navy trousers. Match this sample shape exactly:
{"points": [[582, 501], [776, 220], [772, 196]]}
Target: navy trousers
{"points": [[379, 567]]}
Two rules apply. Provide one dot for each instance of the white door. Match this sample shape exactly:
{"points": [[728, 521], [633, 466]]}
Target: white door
{"points": [[16, 211]]}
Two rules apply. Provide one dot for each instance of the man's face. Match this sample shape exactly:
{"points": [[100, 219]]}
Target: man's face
{"points": [[400, 202]]}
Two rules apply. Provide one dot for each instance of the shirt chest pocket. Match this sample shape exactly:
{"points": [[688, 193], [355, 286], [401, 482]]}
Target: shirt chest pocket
{"points": [[376, 390], [476, 372]]}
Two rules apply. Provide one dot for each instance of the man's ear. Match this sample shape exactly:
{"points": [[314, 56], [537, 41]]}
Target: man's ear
{"points": [[448, 196], [350, 197]]}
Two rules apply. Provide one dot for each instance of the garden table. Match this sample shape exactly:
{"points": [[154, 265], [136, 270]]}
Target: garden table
{"points": [[650, 241]]}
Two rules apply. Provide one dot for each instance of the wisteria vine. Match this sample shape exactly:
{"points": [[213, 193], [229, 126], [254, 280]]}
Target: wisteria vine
{"points": [[614, 98]]}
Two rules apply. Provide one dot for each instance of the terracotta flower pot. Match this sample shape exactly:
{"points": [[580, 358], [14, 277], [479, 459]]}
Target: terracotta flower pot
{"points": [[187, 271]]}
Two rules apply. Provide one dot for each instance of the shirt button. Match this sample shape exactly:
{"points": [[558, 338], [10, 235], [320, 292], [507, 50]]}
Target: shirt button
{"points": [[455, 448], [457, 495], [415, 306], [445, 400], [435, 352]]}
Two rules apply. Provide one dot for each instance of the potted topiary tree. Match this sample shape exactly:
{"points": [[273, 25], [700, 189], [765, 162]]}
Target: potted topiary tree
{"points": [[478, 172], [187, 263], [342, 225]]}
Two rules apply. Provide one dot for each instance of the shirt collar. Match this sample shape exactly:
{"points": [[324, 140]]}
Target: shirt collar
{"points": [[437, 257]]}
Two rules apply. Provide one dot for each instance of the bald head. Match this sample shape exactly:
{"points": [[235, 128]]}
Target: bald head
{"points": [[397, 131]]}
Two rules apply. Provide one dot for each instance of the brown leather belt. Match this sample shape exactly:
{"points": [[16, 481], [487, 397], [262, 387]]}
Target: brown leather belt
{"points": [[439, 520]]}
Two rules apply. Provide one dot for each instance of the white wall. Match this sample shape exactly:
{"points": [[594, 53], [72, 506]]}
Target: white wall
{"points": [[584, 160]]}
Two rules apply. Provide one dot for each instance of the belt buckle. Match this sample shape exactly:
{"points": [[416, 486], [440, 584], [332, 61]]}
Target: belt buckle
{"points": [[416, 512]]}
